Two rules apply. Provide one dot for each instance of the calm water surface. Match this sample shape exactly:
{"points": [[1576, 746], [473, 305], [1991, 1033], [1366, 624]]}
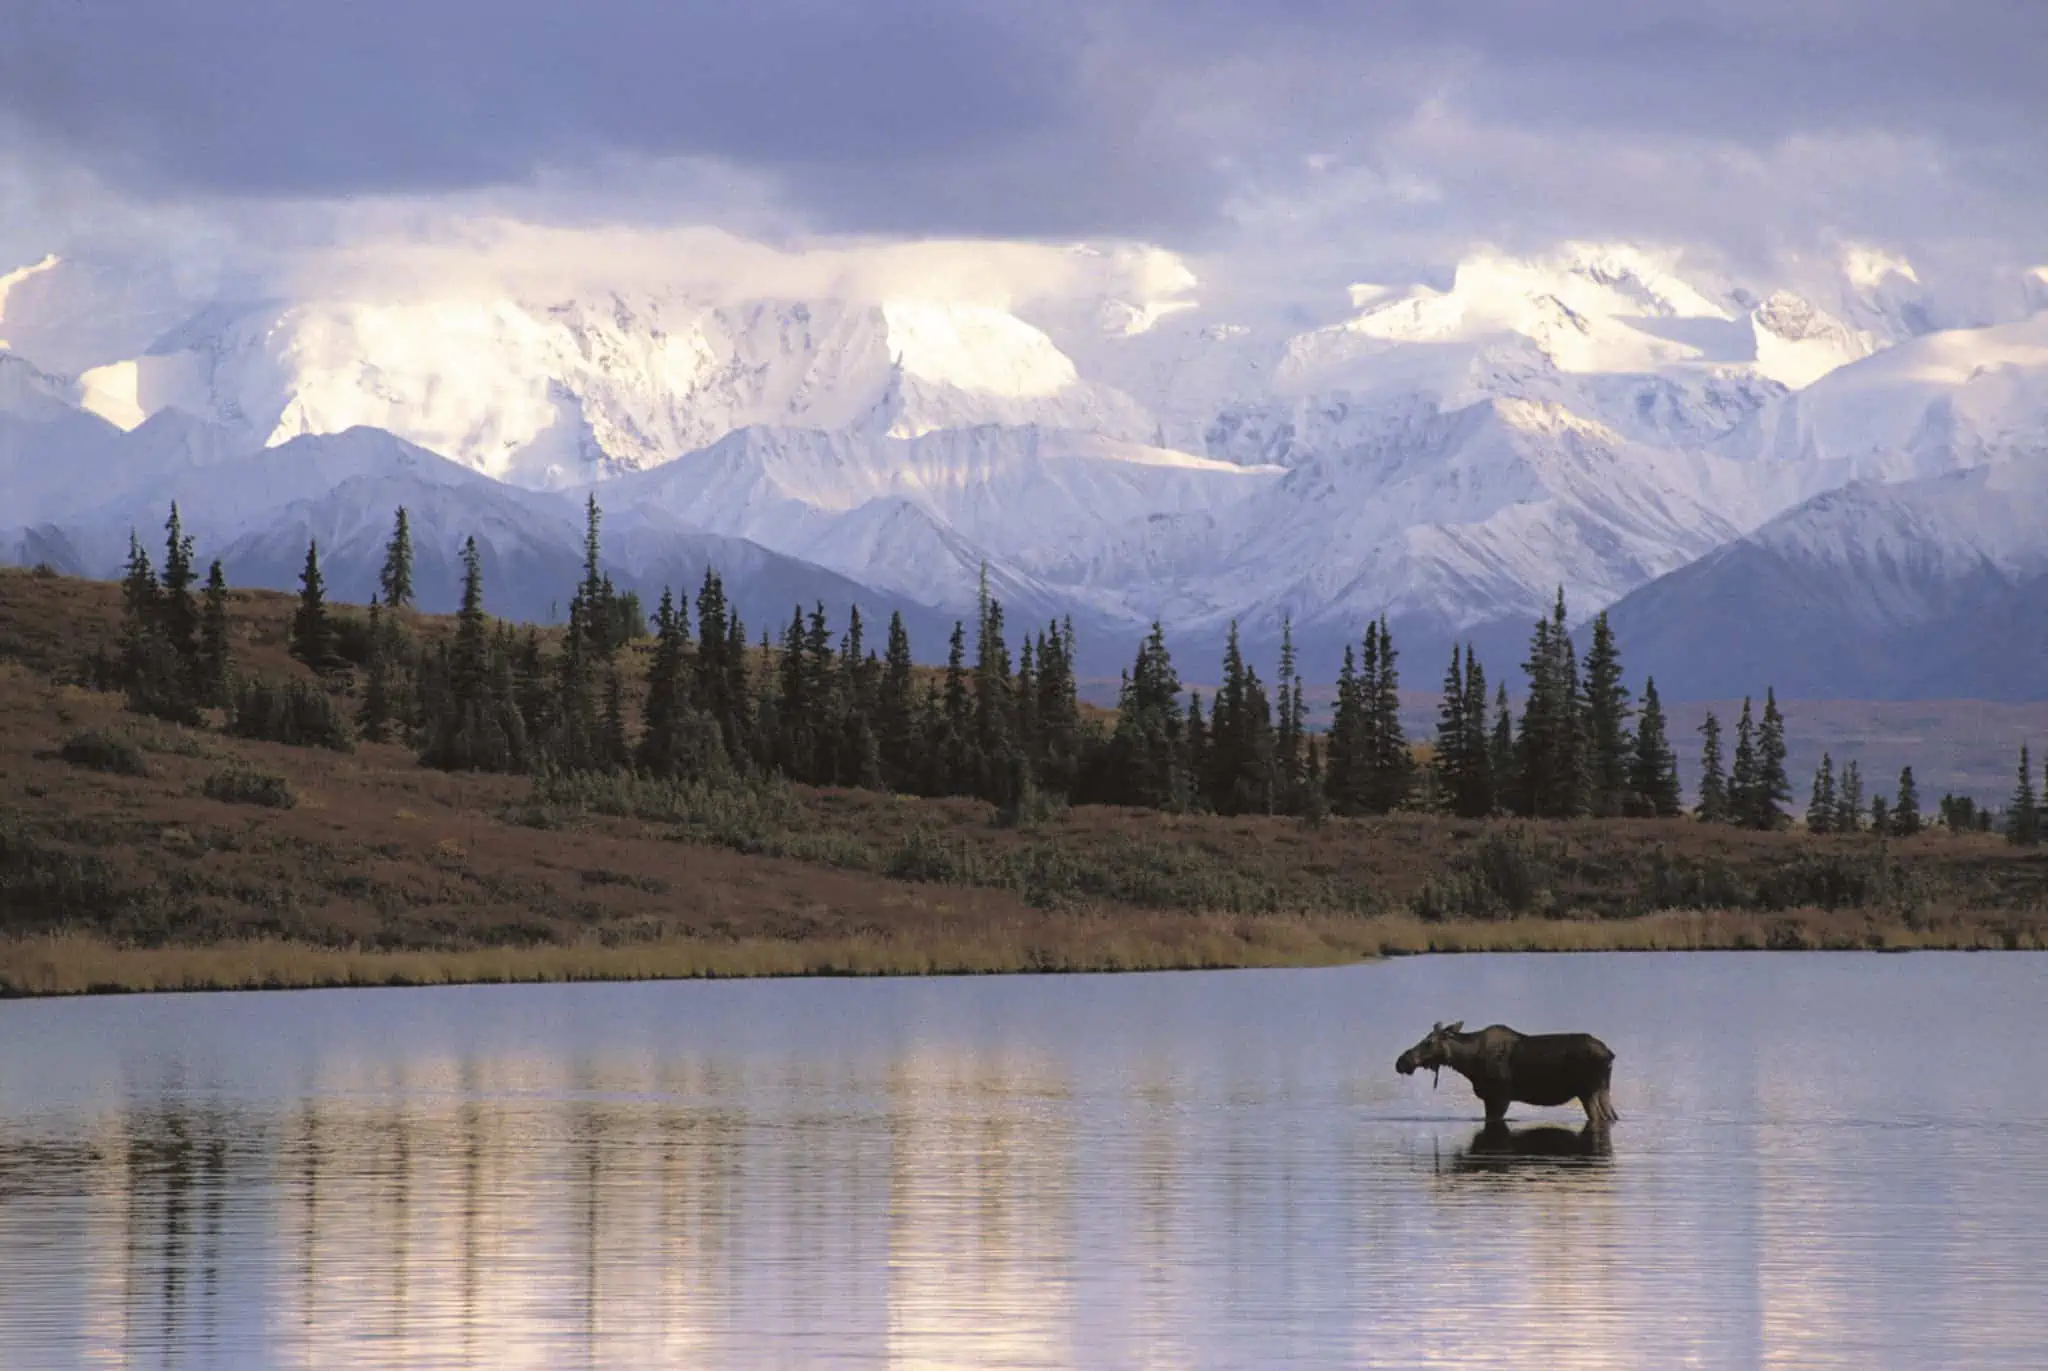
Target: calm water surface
{"points": [[1822, 1161]]}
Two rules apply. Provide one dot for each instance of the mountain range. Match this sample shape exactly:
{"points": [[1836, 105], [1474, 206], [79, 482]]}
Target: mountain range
{"points": [[1833, 484]]}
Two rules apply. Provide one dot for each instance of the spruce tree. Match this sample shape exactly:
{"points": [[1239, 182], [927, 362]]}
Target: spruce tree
{"points": [[156, 681], [709, 688], [1880, 816], [1200, 748], [739, 729], [1550, 759], [1453, 738], [1820, 808], [312, 635], [470, 714], [896, 713], [958, 764], [1501, 753], [1742, 784], [1906, 808], [1608, 745], [216, 657], [395, 580], [2023, 815], [138, 588], [373, 720], [1773, 789], [1238, 777], [599, 620], [1653, 766], [532, 691], [1146, 759], [138, 613], [1714, 802], [1058, 763], [1477, 793], [177, 608], [1575, 771], [1288, 737], [795, 708], [469, 657], [661, 716], [1390, 765], [997, 761], [1344, 762], [618, 751], [1849, 799]]}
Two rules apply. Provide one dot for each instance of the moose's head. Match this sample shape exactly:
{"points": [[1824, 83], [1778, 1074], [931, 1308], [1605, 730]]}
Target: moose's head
{"points": [[1432, 1053]]}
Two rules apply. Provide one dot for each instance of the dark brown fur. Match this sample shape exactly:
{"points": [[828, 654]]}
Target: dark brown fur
{"points": [[1507, 1067]]}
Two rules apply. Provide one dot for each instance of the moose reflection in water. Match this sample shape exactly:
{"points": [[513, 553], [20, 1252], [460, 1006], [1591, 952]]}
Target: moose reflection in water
{"points": [[1506, 1067], [1496, 1147]]}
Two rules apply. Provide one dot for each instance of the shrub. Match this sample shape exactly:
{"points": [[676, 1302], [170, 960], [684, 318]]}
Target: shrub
{"points": [[38, 877], [1505, 873], [241, 785], [98, 750], [294, 712]]}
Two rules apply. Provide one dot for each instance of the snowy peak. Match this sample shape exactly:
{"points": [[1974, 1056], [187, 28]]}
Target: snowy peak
{"points": [[1797, 343], [1578, 306], [550, 395]]}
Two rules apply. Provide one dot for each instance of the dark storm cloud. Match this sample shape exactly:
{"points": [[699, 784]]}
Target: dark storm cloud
{"points": [[1033, 117], [898, 108]]}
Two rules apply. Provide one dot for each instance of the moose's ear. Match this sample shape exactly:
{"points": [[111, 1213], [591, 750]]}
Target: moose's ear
{"points": [[1453, 1027]]}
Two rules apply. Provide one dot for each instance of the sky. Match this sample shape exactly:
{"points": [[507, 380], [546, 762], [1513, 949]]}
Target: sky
{"points": [[1284, 149]]}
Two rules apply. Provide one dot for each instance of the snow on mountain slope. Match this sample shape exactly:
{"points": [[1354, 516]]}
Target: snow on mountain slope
{"points": [[555, 394], [1026, 497], [1579, 307], [1841, 596], [1596, 417], [1936, 403], [29, 393], [1796, 344], [1490, 507]]}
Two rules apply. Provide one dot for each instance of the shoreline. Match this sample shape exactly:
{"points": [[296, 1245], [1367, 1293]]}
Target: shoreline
{"points": [[76, 964]]}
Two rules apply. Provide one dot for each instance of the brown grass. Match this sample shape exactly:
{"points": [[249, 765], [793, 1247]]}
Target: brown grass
{"points": [[79, 963], [387, 873]]}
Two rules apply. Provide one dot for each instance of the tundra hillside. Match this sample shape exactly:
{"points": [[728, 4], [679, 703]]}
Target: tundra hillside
{"points": [[139, 851]]}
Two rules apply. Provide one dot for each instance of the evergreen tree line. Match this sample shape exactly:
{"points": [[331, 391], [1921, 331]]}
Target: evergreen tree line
{"points": [[828, 708]]}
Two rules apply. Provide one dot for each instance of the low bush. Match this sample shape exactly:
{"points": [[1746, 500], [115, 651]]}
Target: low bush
{"points": [[294, 712], [42, 881], [241, 785], [1506, 873], [95, 749]]}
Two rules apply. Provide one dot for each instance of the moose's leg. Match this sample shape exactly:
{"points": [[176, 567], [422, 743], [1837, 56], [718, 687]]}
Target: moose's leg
{"points": [[1496, 1110], [1599, 1107]]}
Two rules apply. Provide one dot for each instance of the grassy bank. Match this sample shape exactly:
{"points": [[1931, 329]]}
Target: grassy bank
{"points": [[83, 963], [136, 854]]}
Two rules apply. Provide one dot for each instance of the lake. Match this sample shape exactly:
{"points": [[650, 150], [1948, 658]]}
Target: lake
{"points": [[1822, 1160]]}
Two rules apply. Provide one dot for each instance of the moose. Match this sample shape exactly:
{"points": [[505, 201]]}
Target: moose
{"points": [[1508, 1067]]}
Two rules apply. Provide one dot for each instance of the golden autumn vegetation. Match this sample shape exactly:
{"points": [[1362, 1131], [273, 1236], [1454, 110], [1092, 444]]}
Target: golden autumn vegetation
{"points": [[140, 854]]}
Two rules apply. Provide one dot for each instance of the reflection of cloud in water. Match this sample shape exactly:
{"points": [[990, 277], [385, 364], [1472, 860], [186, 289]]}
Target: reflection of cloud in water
{"points": [[1221, 1182], [980, 1213]]}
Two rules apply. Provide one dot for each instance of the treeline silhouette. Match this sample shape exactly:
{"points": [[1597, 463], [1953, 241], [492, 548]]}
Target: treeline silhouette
{"points": [[826, 707]]}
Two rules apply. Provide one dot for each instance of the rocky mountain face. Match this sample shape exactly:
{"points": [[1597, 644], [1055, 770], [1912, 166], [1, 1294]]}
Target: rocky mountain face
{"points": [[1617, 422]]}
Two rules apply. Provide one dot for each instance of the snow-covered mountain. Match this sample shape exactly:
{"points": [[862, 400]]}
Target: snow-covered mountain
{"points": [[1916, 589], [1447, 455]]}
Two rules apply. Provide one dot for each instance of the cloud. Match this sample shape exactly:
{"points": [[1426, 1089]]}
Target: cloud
{"points": [[1282, 148]]}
